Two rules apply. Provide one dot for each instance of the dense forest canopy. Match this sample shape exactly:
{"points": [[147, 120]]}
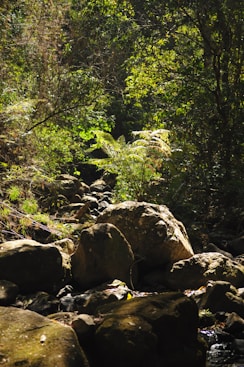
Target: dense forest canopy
{"points": [[71, 68]]}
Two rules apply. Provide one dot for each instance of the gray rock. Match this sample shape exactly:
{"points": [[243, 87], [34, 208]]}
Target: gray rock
{"points": [[157, 330], [196, 271], [40, 302], [103, 254], [31, 265], [152, 231], [99, 185], [68, 186], [92, 200]]}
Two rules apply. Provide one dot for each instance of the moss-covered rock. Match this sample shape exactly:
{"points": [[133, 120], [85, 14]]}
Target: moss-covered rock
{"points": [[28, 339]]}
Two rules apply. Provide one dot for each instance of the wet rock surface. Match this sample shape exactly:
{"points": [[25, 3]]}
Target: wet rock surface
{"points": [[224, 350]]}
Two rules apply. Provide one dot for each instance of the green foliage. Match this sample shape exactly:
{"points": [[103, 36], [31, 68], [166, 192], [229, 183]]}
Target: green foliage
{"points": [[4, 213], [20, 188], [14, 193], [17, 223], [42, 218], [186, 71], [152, 78], [58, 104], [29, 206], [136, 164], [68, 68], [55, 148]]}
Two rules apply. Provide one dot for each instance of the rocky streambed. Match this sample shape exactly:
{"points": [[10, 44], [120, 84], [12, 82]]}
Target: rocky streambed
{"points": [[129, 291]]}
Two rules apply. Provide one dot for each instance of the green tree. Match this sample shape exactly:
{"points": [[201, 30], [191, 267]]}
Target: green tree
{"points": [[186, 72], [102, 36], [48, 107]]}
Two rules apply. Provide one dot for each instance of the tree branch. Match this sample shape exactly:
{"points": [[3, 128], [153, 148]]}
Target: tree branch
{"points": [[55, 113]]}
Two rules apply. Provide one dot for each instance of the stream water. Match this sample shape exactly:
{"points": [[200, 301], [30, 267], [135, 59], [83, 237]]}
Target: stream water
{"points": [[224, 350]]}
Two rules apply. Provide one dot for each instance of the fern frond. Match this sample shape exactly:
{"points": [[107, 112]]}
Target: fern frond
{"points": [[149, 134], [135, 163], [105, 141]]}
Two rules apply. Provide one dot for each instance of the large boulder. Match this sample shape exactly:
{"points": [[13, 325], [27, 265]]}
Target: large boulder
{"points": [[103, 254], [29, 339], [157, 330], [199, 269], [31, 265], [154, 234]]}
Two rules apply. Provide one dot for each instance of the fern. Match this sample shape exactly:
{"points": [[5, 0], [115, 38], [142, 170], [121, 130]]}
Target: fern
{"points": [[135, 163]]}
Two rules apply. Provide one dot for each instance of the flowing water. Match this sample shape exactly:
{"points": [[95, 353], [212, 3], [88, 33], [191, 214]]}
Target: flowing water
{"points": [[224, 350]]}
